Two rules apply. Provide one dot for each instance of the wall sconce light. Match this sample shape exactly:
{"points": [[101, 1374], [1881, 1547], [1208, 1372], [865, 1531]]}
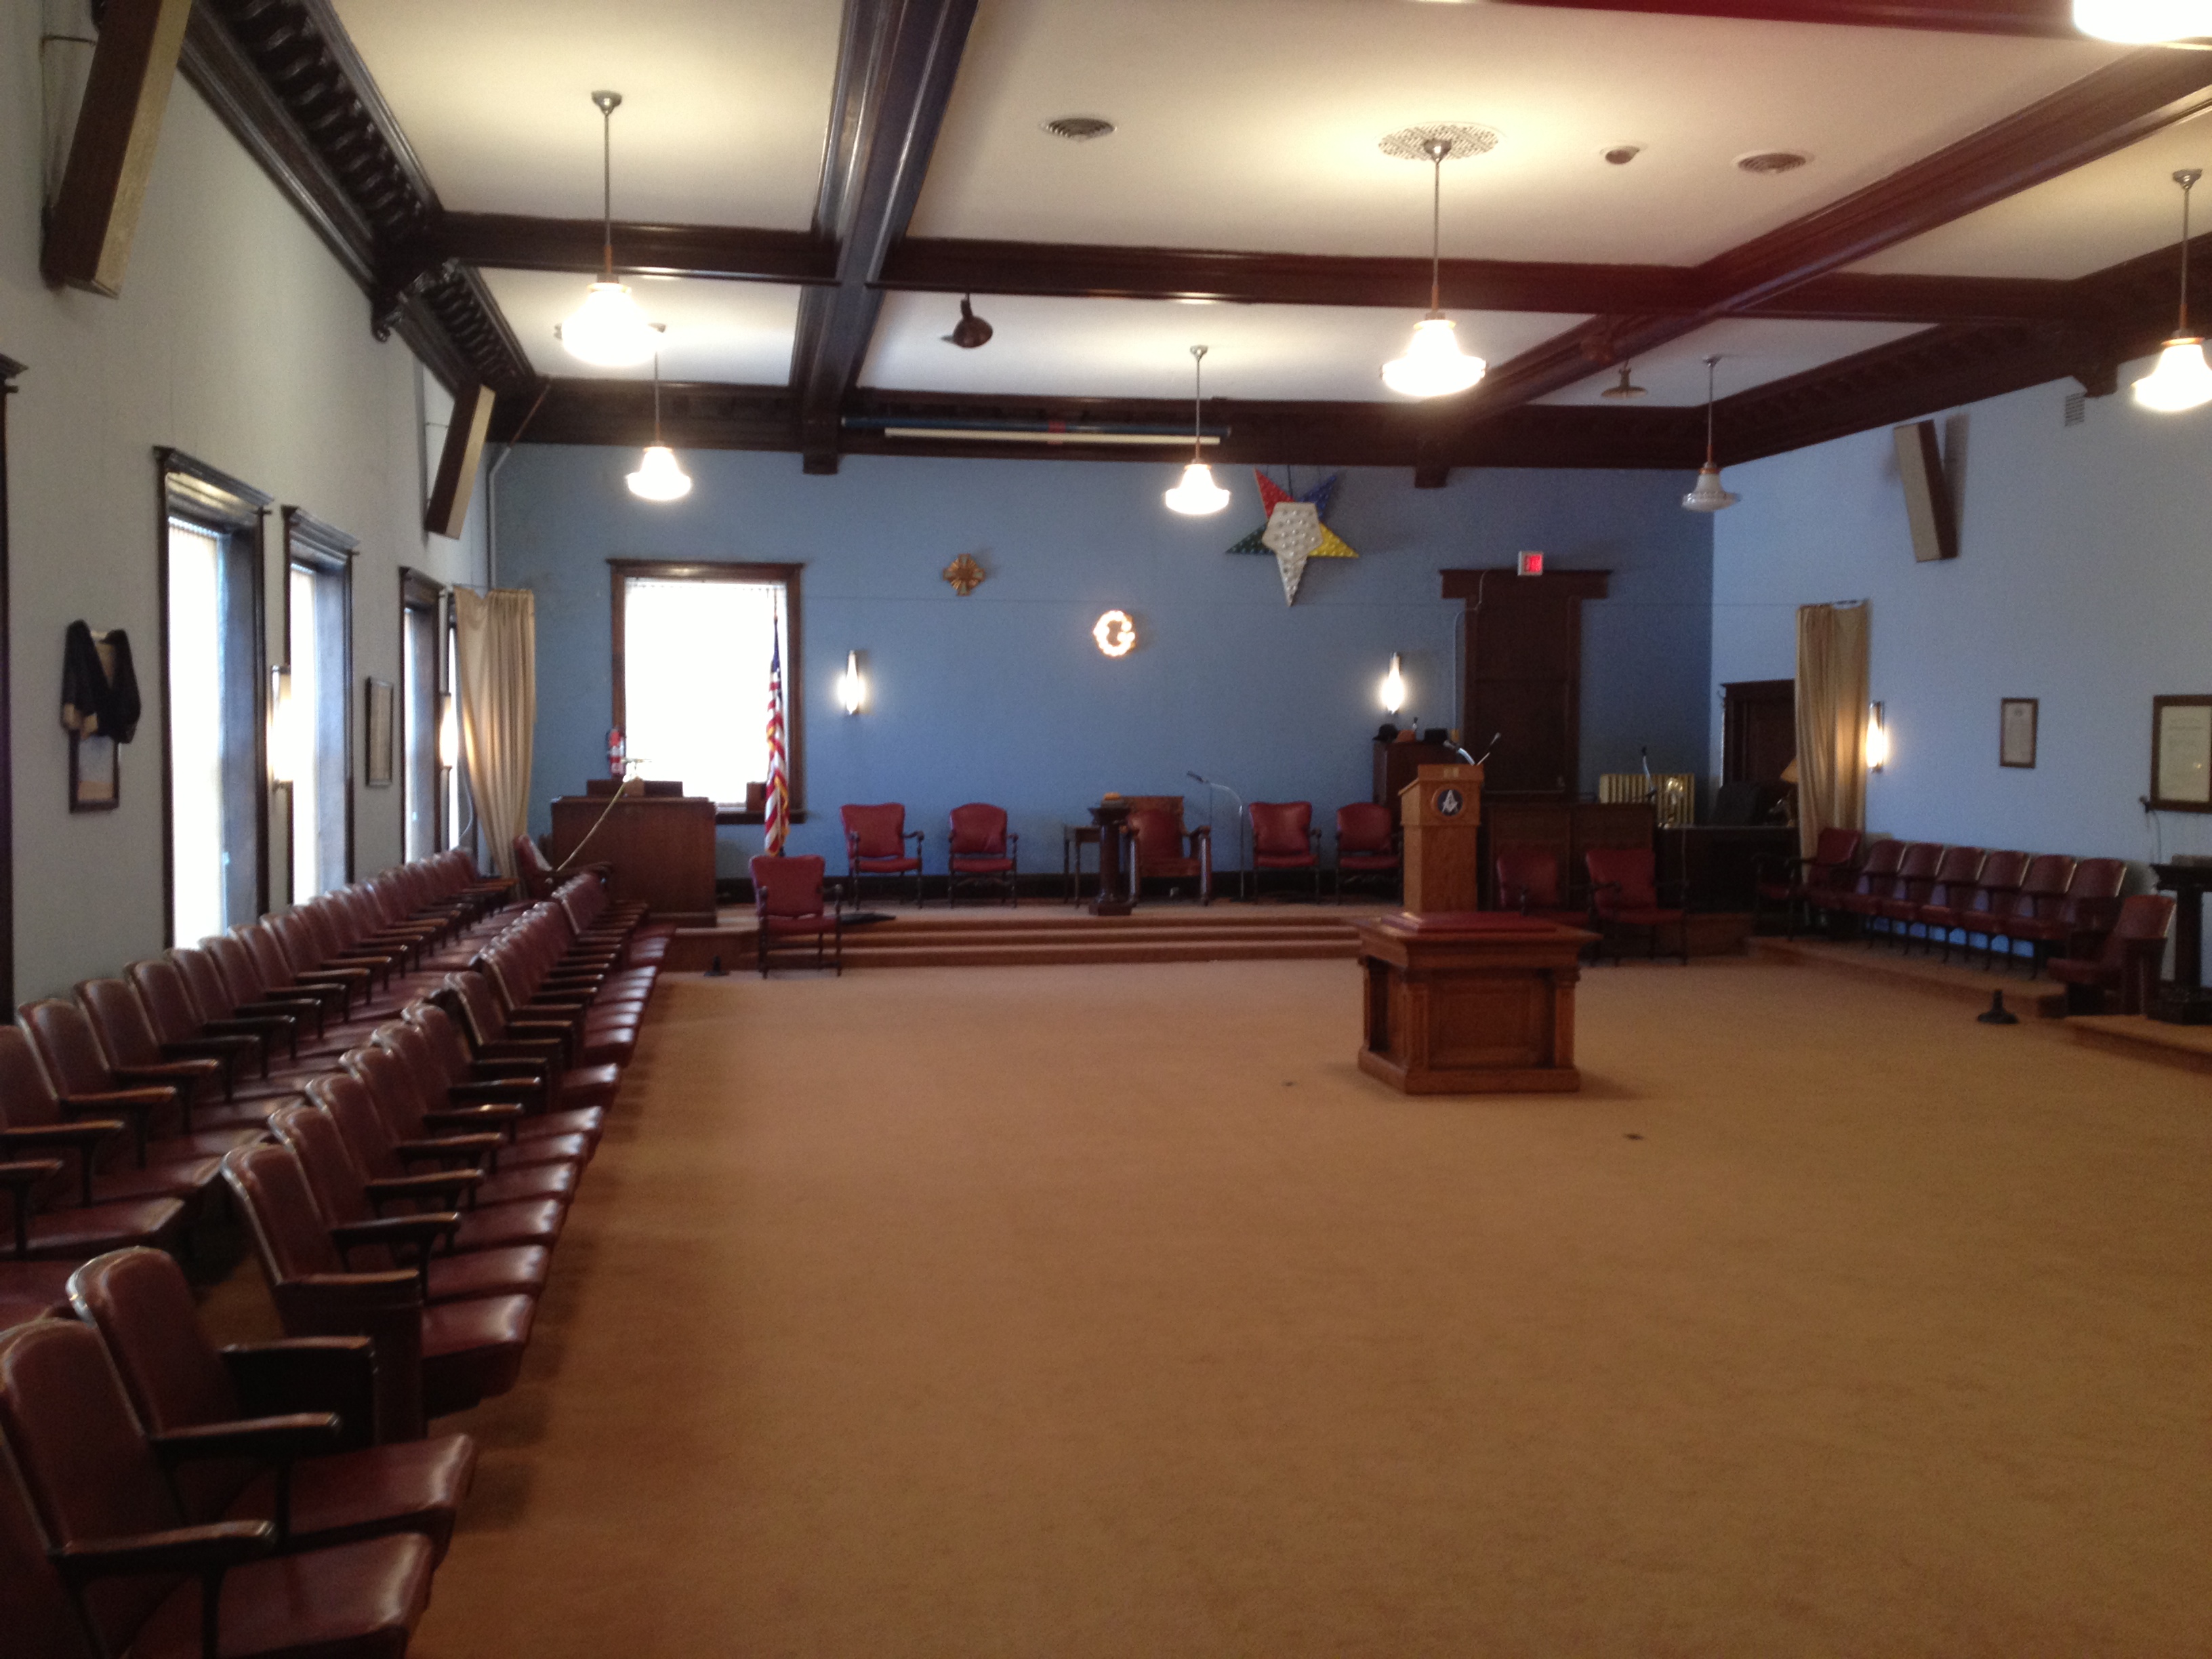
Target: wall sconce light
{"points": [[1393, 687], [852, 684], [449, 733], [283, 728], [1115, 633], [1877, 737]]}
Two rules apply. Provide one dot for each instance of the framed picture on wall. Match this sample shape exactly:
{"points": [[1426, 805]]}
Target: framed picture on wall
{"points": [[95, 774], [380, 734], [2016, 730], [2181, 754]]}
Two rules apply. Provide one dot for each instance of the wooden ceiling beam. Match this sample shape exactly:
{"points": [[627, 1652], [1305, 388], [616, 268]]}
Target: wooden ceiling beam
{"points": [[2040, 19], [896, 66], [2106, 111], [111, 154], [515, 242]]}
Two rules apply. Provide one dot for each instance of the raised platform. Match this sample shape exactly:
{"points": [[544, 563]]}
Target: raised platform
{"points": [[2189, 1047], [1048, 935], [2031, 999]]}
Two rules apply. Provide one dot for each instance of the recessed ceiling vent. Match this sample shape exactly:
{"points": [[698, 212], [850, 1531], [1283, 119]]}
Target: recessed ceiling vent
{"points": [[1773, 161], [1079, 129]]}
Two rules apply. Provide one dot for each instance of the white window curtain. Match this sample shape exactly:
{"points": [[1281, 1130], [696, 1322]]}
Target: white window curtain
{"points": [[495, 634]]}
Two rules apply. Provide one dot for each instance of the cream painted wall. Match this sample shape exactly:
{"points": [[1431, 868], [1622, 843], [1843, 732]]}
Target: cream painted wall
{"points": [[239, 340]]}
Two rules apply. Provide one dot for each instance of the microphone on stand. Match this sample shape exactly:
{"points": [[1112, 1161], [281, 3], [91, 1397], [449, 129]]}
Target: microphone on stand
{"points": [[1239, 800]]}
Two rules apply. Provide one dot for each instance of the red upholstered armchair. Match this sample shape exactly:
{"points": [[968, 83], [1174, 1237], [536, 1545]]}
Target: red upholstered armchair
{"points": [[1623, 893], [981, 851], [2127, 959], [787, 904], [533, 868], [1529, 881], [1160, 845], [1366, 844], [1803, 885], [875, 845], [1284, 838]]}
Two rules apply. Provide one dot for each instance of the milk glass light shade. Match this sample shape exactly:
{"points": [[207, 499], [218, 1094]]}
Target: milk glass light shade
{"points": [[1708, 496], [1433, 365], [2140, 23], [609, 332], [2182, 379], [1877, 738], [658, 477], [1197, 494]]}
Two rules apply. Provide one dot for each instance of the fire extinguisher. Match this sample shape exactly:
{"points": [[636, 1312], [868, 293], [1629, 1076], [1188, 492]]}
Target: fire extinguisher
{"points": [[618, 753]]}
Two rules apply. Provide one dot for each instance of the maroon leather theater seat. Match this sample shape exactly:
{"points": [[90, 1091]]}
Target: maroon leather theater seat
{"points": [[179, 1383], [101, 1530]]}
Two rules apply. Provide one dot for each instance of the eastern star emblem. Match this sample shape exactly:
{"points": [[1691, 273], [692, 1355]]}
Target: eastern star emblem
{"points": [[1295, 531]]}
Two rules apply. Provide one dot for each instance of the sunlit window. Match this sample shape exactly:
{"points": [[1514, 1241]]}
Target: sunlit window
{"points": [[196, 733], [695, 655]]}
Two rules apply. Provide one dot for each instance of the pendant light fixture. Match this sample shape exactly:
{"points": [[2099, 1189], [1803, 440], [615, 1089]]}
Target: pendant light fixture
{"points": [[1627, 388], [658, 477], [609, 332], [1197, 494], [2182, 379], [1708, 496], [2143, 22], [1434, 366]]}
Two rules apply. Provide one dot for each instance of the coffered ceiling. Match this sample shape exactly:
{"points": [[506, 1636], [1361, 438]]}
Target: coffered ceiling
{"points": [[804, 189]]}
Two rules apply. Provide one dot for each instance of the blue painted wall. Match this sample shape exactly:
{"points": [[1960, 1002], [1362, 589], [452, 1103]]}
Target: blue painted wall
{"points": [[2083, 579], [1002, 696]]}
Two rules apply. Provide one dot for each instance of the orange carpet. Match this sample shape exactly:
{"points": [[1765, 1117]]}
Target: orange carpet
{"points": [[1110, 1311]]}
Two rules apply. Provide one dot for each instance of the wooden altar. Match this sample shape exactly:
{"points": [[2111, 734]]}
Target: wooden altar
{"points": [[1470, 1002]]}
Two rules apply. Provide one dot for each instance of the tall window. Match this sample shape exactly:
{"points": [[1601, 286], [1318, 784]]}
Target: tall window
{"points": [[421, 684], [318, 636], [692, 646], [213, 699]]}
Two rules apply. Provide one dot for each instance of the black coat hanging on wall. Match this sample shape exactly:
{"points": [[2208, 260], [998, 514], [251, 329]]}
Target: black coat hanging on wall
{"points": [[96, 701]]}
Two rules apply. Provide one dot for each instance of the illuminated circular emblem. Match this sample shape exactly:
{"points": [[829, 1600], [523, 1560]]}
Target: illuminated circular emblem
{"points": [[1114, 633], [1449, 801]]}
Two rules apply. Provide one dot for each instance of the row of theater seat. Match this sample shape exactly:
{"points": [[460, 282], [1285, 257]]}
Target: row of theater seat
{"points": [[2044, 901], [399, 1103]]}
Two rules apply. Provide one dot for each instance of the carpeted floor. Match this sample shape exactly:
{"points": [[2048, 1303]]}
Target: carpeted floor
{"points": [[1110, 1311]]}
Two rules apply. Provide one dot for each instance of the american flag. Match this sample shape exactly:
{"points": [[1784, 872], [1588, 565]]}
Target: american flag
{"points": [[777, 819]]}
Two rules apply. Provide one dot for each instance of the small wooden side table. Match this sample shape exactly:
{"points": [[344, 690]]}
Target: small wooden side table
{"points": [[1074, 838]]}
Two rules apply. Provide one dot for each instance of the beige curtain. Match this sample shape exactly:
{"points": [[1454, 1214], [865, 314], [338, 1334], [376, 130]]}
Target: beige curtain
{"points": [[496, 637], [1831, 719]]}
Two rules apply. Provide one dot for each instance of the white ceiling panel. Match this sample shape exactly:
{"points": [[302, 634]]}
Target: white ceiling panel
{"points": [[1141, 348], [1253, 123], [738, 332], [2096, 215], [725, 113], [1751, 352]]}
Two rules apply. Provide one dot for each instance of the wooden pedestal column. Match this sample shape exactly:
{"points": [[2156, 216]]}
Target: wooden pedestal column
{"points": [[1470, 1003], [1441, 811]]}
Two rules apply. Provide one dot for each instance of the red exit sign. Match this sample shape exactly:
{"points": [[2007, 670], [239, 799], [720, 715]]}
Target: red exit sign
{"points": [[1531, 564]]}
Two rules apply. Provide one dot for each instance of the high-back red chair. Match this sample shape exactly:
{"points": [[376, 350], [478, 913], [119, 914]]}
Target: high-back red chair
{"points": [[2126, 960], [787, 904], [875, 844], [1160, 847], [1625, 894], [979, 850], [1284, 838], [1366, 844]]}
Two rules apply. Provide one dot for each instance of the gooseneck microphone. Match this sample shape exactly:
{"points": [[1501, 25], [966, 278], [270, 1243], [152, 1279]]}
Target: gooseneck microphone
{"points": [[1495, 738]]}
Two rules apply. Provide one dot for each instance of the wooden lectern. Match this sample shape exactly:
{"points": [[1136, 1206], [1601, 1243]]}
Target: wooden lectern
{"points": [[661, 848], [1441, 811]]}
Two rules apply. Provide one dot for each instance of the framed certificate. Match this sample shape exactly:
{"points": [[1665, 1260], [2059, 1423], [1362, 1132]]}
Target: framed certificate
{"points": [[2016, 730], [2181, 754]]}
